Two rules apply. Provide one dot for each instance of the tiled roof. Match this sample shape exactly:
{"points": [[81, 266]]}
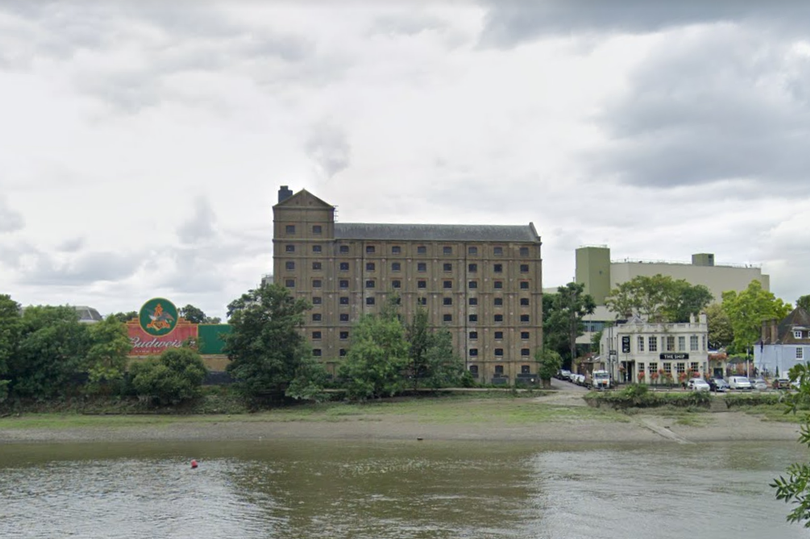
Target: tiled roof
{"points": [[797, 317], [380, 231]]}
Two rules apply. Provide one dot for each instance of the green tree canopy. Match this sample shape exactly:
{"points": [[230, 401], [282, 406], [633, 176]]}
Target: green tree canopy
{"points": [[125, 317], [658, 298], [432, 361], [569, 306], [804, 303], [747, 309], [10, 322], [173, 377], [548, 363], [721, 334], [107, 356], [192, 314], [266, 347]]}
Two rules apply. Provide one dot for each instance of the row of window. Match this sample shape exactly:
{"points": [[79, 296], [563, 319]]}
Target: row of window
{"points": [[499, 352], [668, 343], [421, 267], [524, 369], [447, 250], [497, 302], [447, 317], [667, 367], [397, 283], [524, 335]]}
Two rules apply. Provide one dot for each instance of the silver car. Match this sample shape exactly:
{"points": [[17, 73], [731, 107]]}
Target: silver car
{"points": [[759, 384]]}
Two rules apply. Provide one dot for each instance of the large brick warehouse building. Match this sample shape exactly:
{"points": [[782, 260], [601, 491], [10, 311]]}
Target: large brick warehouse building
{"points": [[481, 282]]}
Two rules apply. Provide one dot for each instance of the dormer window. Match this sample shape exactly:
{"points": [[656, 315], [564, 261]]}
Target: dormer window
{"points": [[797, 334]]}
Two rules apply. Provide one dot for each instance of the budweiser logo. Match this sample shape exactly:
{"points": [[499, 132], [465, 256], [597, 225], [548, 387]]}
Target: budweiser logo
{"points": [[137, 342]]}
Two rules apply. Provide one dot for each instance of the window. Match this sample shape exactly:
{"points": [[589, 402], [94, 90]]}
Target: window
{"points": [[370, 300], [640, 343], [342, 352], [396, 283], [447, 267], [498, 302], [524, 285], [317, 229], [499, 334], [524, 335], [316, 249], [289, 229], [694, 367], [497, 284], [316, 352], [447, 301], [447, 317], [473, 318], [473, 284], [693, 343], [799, 352], [473, 353], [524, 317], [447, 250], [524, 251], [421, 267], [316, 266], [525, 369], [473, 335], [472, 268], [396, 249], [641, 368], [370, 283], [421, 284], [316, 317], [396, 266], [704, 342], [344, 300], [290, 265], [421, 250], [498, 370], [343, 283], [499, 318], [670, 343], [344, 249], [474, 368], [681, 343], [317, 283], [472, 250], [525, 352], [290, 248], [652, 367], [524, 268], [344, 317], [668, 368], [344, 335], [316, 334], [473, 301], [289, 283], [421, 301], [498, 251], [499, 352], [370, 249], [447, 284], [498, 268], [317, 300], [370, 266], [344, 266], [797, 334], [653, 342], [680, 367]]}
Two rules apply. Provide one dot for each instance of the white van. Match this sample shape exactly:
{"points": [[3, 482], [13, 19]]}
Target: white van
{"points": [[739, 382]]}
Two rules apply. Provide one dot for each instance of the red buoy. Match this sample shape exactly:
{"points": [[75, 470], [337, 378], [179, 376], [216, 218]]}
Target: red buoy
{"points": [[193, 464]]}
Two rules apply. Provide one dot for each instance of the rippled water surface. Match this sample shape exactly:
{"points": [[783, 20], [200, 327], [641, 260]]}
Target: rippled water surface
{"points": [[394, 489]]}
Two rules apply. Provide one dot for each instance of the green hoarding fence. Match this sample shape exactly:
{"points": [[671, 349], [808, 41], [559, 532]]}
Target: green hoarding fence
{"points": [[210, 336]]}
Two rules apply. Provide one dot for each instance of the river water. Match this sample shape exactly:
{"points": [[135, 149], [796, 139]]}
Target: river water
{"points": [[411, 489]]}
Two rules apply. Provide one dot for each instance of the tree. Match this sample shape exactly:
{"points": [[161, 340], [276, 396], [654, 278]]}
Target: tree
{"points": [[549, 363], [570, 305], [432, 360], [658, 299], [125, 317], [171, 378], [51, 350], [192, 314], [10, 321], [746, 311], [721, 335], [684, 300], [377, 358], [266, 347], [107, 356], [804, 303]]}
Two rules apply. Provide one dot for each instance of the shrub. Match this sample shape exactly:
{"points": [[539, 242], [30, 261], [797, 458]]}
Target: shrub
{"points": [[175, 376], [640, 396]]}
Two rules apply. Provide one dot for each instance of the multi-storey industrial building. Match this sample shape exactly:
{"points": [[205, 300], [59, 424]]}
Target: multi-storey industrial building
{"points": [[481, 282]]}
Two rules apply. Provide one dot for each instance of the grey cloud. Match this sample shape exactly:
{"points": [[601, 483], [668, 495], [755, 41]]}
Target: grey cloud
{"points": [[200, 226], [84, 269], [71, 245], [329, 148], [510, 22], [406, 24], [10, 219]]}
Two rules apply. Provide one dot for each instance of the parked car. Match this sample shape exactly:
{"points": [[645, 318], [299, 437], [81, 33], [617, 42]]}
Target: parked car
{"points": [[698, 384], [718, 385], [759, 384], [781, 383], [578, 379], [563, 374], [739, 383]]}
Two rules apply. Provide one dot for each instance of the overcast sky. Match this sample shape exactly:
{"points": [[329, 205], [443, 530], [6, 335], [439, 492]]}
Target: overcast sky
{"points": [[142, 144]]}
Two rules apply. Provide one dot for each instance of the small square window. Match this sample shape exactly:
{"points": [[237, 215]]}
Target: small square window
{"points": [[524, 302], [344, 335], [498, 302], [344, 300], [473, 318], [498, 268], [524, 335], [524, 285], [396, 266], [396, 249], [370, 283], [396, 283], [447, 317], [472, 268], [421, 250], [316, 352], [370, 266], [370, 300], [344, 249], [499, 318], [316, 334], [289, 248], [344, 266], [499, 334], [370, 249], [799, 352], [447, 284], [525, 352], [289, 283], [497, 284], [525, 369], [317, 300], [447, 301], [524, 317], [317, 229], [343, 283], [473, 352], [499, 352], [316, 317], [344, 317], [448, 267], [472, 250], [289, 229], [316, 249], [524, 251], [421, 284], [447, 250], [289, 265], [499, 370], [473, 301], [473, 335], [473, 284], [498, 251], [342, 352], [524, 268], [421, 267], [317, 266], [421, 301], [797, 334], [317, 283]]}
